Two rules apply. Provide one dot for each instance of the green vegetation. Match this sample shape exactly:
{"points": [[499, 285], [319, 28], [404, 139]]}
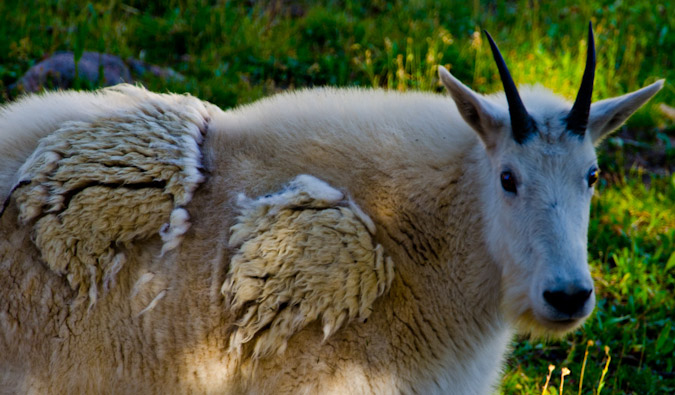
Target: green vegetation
{"points": [[234, 52]]}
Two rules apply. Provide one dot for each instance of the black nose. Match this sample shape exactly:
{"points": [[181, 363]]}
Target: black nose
{"points": [[567, 303]]}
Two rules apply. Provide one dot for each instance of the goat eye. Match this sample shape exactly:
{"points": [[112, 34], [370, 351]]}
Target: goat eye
{"points": [[508, 181], [593, 177]]}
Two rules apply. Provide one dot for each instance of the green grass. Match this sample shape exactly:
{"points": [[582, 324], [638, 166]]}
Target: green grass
{"points": [[234, 52]]}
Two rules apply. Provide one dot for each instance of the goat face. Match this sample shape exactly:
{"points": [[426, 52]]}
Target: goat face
{"points": [[537, 182], [538, 198]]}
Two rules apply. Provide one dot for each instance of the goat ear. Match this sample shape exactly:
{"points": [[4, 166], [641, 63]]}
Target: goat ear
{"points": [[607, 115], [483, 116]]}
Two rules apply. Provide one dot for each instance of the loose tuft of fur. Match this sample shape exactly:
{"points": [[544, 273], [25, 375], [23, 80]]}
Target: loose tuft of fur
{"points": [[92, 186], [302, 254]]}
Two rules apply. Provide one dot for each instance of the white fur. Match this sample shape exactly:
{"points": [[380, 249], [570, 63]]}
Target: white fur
{"points": [[153, 303], [40, 115], [173, 231]]}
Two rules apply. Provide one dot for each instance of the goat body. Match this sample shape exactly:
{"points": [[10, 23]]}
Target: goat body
{"points": [[322, 241]]}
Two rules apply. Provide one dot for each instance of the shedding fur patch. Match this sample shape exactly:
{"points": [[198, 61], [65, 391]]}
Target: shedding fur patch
{"points": [[304, 253], [92, 186]]}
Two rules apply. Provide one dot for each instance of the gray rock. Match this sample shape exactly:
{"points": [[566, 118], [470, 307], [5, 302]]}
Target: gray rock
{"points": [[58, 71], [142, 69]]}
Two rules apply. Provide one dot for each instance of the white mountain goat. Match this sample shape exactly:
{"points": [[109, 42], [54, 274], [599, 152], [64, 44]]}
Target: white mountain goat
{"points": [[321, 241]]}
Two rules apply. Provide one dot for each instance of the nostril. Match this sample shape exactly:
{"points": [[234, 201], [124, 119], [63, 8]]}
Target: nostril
{"points": [[567, 303]]}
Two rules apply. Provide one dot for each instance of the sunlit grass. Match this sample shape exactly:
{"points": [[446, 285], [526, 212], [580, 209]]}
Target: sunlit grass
{"points": [[236, 52]]}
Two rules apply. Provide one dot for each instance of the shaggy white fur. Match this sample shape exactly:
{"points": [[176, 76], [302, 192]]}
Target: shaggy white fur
{"points": [[90, 186], [302, 254]]}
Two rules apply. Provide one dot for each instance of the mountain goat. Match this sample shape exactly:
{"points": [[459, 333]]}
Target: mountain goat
{"points": [[320, 241]]}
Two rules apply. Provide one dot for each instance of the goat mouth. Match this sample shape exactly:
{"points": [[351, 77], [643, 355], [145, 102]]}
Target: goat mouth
{"points": [[561, 325], [558, 322]]}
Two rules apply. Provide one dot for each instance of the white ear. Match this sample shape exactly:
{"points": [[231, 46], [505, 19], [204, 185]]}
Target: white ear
{"points": [[607, 115], [483, 116]]}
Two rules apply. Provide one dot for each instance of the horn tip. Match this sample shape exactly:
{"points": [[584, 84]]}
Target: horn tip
{"points": [[493, 45]]}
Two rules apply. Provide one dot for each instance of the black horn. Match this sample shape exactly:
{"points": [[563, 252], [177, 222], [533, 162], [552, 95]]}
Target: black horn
{"points": [[521, 123], [577, 119]]}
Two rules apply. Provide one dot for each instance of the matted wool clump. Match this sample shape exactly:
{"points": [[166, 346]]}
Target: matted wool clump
{"points": [[302, 254], [92, 186]]}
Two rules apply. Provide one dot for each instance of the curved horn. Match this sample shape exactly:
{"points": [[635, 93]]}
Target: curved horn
{"points": [[577, 119], [521, 122]]}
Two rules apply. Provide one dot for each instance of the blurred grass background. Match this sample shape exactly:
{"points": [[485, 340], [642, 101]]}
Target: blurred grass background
{"points": [[234, 52]]}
